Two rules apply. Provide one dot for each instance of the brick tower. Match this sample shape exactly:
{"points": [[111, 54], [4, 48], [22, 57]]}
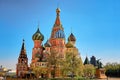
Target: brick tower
{"points": [[37, 52], [22, 65], [57, 38]]}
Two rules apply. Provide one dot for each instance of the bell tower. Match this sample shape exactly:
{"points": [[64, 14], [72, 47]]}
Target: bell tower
{"points": [[22, 65]]}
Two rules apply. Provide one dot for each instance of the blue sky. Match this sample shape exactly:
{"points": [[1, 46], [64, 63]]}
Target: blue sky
{"points": [[95, 24]]}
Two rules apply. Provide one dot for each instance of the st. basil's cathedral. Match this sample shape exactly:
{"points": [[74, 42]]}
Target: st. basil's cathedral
{"points": [[56, 43], [40, 52]]}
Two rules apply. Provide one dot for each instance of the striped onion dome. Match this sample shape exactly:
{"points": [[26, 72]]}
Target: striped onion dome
{"points": [[38, 35]]}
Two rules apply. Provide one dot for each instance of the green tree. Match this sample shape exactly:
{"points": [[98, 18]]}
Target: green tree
{"points": [[89, 70], [72, 64], [37, 71], [112, 69], [43, 71], [53, 62]]}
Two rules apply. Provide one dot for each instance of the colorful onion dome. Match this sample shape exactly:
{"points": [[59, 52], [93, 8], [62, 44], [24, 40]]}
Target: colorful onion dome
{"points": [[47, 44], [59, 34], [69, 45], [71, 37], [38, 35]]}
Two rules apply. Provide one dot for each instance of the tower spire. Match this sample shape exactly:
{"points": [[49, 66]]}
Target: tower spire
{"points": [[23, 45], [57, 22], [23, 50]]}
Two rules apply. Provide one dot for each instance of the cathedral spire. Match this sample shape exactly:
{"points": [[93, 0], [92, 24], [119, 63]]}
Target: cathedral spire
{"points": [[57, 22], [23, 50], [23, 45]]}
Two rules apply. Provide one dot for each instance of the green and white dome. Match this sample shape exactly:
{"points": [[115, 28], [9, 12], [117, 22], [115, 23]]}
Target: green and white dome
{"points": [[38, 35]]}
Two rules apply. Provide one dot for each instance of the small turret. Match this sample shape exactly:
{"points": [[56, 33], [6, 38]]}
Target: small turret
{"points": [[71, 37], [47, 44], [86, 61]]}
